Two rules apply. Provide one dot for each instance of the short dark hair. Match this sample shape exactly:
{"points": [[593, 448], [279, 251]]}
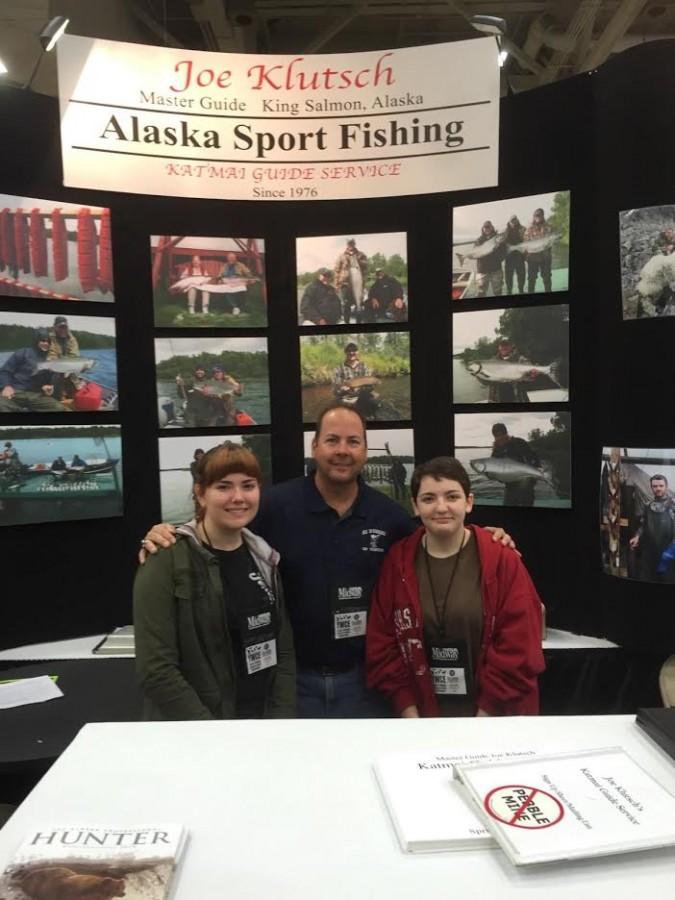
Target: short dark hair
{"points": [[658, 478], [499, 428], [351, 346], [440, 467], [337, 405]]}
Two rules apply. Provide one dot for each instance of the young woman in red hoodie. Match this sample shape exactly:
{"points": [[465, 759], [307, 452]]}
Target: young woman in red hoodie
{"points": [[455, 622]]}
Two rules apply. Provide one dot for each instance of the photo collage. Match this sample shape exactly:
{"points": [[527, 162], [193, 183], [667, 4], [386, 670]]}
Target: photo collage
{"points": [[57, 363], [219, 379], [352, 302], [512, 359]]}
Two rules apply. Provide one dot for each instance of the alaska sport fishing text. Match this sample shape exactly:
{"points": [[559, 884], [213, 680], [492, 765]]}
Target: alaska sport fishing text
{"points": [[247, 138]]}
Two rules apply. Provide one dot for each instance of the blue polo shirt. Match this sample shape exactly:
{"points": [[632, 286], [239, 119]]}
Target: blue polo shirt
{"points": [[324, 558]]}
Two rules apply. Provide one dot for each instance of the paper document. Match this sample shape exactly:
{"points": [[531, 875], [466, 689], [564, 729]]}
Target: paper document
{"points": [[571, 805], [28, 690]]}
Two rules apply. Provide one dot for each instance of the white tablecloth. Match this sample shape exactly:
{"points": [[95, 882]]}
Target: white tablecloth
{"points": [[290, 810]]}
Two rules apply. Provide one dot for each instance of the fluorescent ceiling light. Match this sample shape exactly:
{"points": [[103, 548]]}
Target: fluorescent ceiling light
{"points": [[52, 32], [503, 56], [489, 24], [3, 68]]}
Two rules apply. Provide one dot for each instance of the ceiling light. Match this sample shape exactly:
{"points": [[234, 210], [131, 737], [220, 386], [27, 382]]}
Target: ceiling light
{"points": [[3, 68], [489, 25], [52, 32], [503, 56]]}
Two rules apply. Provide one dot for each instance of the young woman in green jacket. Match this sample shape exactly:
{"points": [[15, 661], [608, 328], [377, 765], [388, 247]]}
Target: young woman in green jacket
{"points": [[213, 639]]}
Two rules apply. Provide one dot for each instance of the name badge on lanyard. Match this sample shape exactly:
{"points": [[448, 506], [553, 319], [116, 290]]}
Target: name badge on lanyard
{"points": [[262, 655], [449, 667], [259, 639], [350, 613]]}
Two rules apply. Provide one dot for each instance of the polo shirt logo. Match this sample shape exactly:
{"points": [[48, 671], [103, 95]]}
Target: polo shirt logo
{"points": [[373, 536], [350, 593], [259, 621]]}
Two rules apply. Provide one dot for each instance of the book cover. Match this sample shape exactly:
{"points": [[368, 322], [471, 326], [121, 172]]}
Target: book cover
{"points": [[84, 862], [428, 810], [570, 805]]}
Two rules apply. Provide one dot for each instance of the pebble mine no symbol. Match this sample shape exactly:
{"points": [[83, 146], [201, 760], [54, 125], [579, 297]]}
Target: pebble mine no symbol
{"points": [[522, 806]]}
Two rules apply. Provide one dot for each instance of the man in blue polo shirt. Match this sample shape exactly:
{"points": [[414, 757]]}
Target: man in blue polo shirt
{"points": [[332, 531]]}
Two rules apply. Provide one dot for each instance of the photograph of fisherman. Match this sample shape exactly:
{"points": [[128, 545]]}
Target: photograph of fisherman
{"points": [[208, 282], [350, 369], [239, 277], [9, 458], [637, 513], [209, 402], [505, 446], [510, 256], [647, 243], [320, 303], [368, 372], [390, 462], [55, 250], [656, 533], [62, 342], [76, 371], [201, 382], [369, 278], [195, 268], [455, 620], [522, 459], [385, 300], [516, 355], [351, 269], [194, 465], [489, 274], [24, 387], [538, 261], [213, 638], [514, 261]]}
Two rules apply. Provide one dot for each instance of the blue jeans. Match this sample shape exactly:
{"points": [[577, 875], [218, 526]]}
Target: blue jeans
{"points": [[341, 696]]}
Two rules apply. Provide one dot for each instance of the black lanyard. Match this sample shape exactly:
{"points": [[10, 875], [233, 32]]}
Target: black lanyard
{"points": [[440, 612]]}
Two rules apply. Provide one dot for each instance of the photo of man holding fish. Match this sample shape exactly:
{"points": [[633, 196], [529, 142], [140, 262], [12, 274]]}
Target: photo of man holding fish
{"points": [[637, 513], [518, 355], [358, 278], [512, 246], [516, 459], [57, 364]]}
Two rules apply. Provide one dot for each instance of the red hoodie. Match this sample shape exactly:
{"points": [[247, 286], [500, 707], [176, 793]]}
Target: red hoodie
{"points": [[510, 655]]}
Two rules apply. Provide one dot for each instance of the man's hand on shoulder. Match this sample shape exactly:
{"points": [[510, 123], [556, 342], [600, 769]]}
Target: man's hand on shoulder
{"points": [[502, 537], [162, 535]]}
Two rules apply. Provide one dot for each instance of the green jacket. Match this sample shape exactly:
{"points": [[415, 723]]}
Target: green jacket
{"points": [[184, 657]]}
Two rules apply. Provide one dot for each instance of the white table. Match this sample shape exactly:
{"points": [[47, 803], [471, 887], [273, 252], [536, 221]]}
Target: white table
{"points": [[290, 810], [73, 648], [81, 648], [566, 640]]}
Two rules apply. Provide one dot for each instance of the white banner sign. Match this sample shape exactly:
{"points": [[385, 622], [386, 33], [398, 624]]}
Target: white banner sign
{"points": [[156, 120]]}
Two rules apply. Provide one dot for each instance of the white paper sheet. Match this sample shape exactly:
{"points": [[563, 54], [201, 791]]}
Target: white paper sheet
{"points": [[28, 690]]}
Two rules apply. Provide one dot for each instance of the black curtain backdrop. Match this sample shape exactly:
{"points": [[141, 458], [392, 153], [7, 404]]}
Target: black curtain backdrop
{"points": [[607, 137]]}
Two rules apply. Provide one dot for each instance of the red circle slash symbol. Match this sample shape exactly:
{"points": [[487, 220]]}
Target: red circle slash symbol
{"points": [[523, 807]]}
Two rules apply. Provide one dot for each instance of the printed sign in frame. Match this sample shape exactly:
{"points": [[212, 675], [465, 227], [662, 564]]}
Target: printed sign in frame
{"points": [[185, 123]]}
